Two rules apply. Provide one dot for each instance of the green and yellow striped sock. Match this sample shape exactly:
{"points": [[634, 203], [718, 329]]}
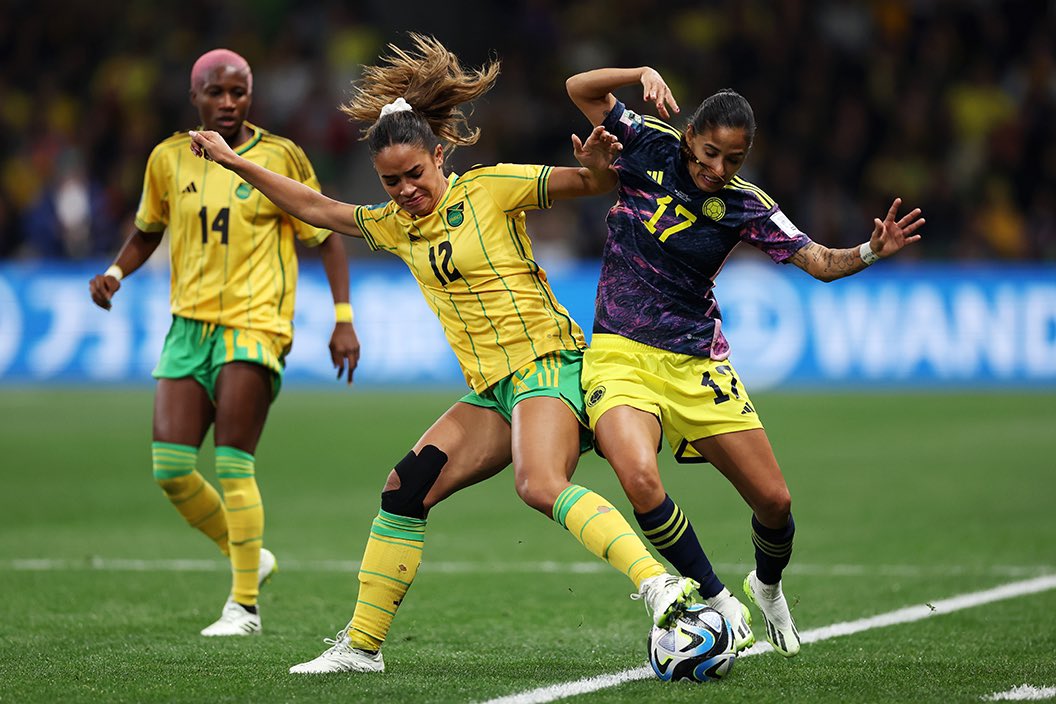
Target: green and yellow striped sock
{"points": [[196, 499], [390, 563], [596, 524], [245, 520]]}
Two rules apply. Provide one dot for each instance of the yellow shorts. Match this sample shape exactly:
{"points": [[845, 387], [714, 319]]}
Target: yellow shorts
{"points": [[693, 397]]}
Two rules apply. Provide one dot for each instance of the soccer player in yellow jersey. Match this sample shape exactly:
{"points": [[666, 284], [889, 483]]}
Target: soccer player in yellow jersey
{"points": [[463, 237], [234, 273]]}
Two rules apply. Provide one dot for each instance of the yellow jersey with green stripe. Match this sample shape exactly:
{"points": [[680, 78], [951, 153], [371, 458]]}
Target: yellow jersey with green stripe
{"points": [[473, 261], [231, 250]]}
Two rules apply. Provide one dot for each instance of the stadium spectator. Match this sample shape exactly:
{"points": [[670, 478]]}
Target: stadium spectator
{"points": [[827, 78], [234, 273], [464, 239], [658, 365], [69, 218]]}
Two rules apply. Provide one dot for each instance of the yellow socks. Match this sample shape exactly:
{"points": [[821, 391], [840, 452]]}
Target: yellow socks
{"points": [[235, 523], [196, 499], [245, 520], [596, 524], [390, 563]]}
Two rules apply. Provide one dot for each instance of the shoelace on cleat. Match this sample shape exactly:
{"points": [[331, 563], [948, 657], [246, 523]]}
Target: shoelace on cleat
{"points": [[337, 640]]}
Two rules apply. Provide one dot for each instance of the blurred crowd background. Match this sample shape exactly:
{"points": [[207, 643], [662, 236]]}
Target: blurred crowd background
{"points": [[948, 104]]}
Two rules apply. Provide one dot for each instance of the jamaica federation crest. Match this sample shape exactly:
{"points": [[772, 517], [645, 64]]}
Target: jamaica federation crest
{"points": [[455, 214]]}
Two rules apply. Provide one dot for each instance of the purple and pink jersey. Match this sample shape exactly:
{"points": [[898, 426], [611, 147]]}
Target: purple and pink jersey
{"points": [[668, 240]]}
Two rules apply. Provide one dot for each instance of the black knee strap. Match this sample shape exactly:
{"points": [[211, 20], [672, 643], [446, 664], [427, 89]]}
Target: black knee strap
{"points": [[417, 473]]}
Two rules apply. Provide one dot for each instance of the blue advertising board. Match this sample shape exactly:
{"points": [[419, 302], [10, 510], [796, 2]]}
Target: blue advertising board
{"points": [[897, 326]]}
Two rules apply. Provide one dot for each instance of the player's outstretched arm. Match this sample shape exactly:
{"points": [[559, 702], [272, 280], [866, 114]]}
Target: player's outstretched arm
{"points": [[292, 196], [889, 236], [595, 175], [591, 91], [136, 250]]}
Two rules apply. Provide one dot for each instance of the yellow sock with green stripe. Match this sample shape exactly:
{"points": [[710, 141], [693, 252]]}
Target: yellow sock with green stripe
{"points": [[196, 499], [245, 520], [390, 563], [595, 523]]}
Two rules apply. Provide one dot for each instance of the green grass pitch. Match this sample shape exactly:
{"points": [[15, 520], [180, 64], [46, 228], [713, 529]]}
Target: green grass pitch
{"points": [[900, 499]]}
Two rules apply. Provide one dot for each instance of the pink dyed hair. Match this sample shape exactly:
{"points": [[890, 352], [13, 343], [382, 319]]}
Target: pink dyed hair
{"points": [[214, 59]]}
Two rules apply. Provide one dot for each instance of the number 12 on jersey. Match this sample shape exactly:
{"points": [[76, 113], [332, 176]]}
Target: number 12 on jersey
{"points": [[443, 267]]}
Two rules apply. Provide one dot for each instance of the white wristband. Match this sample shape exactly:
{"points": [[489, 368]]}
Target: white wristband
{"points": [[867, 254], [114, 271]]}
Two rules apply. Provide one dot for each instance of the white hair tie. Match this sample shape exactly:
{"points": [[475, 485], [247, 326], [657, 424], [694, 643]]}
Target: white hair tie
{"points": [[397, 105]]}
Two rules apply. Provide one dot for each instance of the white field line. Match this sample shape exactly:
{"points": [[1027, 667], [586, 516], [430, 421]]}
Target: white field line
{"points": [[109, 564], [1022, 693], [907, 615]]}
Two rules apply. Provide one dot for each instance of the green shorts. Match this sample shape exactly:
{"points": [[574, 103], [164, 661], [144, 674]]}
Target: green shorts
{"points": [[555, 375], [199, 350]]}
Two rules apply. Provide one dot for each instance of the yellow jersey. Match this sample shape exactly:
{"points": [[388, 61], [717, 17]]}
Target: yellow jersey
{"points": [[231, 250], [473, 262]]}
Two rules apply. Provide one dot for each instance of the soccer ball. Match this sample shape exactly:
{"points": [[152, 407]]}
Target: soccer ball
{"points": [[698, 647]]}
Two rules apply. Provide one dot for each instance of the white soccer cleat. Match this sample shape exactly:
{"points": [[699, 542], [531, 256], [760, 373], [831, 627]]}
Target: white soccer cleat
{"points": [[341, 657], [738, 616], [666, 596], [780, 628], [268, 566], [234, 621]]}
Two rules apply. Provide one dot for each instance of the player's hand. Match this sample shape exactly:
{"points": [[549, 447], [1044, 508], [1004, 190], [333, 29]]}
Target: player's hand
{"points": [[655, 90], [103, 288], [599, 151], [344, 349], [891, 235], [212, 147]]}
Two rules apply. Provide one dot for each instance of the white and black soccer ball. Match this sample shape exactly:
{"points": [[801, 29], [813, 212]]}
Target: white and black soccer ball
{"points": [[697, 647]]}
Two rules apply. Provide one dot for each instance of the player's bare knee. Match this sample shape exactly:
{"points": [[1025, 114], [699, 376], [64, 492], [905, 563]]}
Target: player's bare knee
{"points": [[774, 508], [526, 490], [535, 492], [634, 461], [410, 482], [644, 490]]}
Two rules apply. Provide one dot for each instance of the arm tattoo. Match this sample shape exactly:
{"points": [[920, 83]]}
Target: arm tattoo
{"points": [[827, 264]]}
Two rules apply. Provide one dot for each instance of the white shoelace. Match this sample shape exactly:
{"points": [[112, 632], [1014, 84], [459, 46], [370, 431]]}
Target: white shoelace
{"points": [[339, 639]]}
